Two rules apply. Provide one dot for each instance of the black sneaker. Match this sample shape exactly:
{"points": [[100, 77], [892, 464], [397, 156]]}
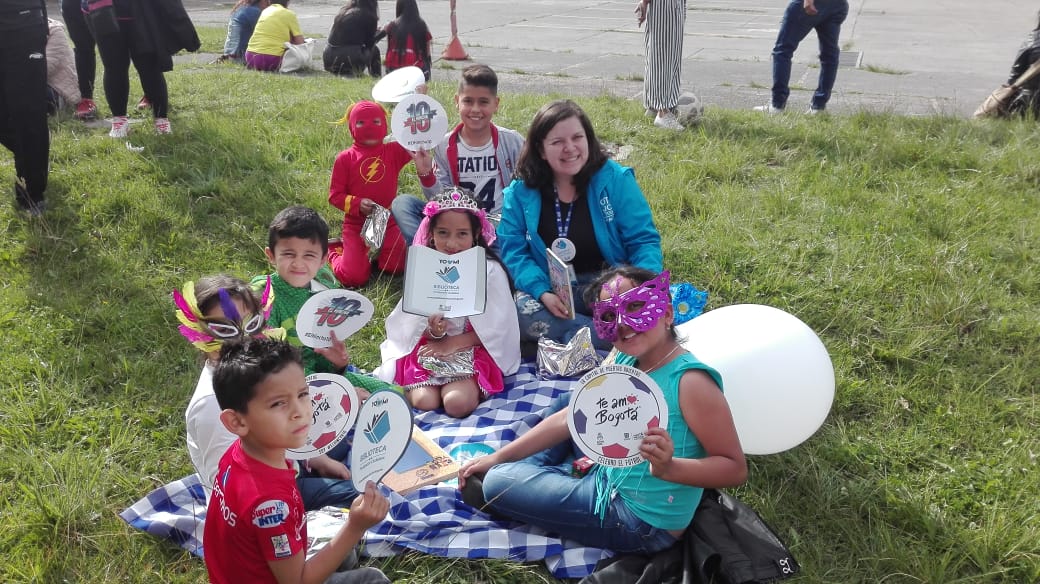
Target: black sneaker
{"points": [[25, 202]]}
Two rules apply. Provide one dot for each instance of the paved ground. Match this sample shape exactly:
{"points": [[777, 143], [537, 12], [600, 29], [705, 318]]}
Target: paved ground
{"points": [[913, 57]]}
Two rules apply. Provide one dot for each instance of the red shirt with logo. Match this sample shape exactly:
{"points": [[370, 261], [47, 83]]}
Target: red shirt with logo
{"points": [[255, 515], [366, 172]]}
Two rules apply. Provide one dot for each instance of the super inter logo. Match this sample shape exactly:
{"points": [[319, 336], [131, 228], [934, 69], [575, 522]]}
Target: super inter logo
{"points": [[271, 513]]}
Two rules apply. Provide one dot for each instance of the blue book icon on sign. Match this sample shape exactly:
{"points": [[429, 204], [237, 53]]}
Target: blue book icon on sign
{"points": [[378, 427], [449, 275]]}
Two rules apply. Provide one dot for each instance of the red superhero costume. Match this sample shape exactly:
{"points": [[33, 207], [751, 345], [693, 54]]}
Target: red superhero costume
{"points": [[367, 170]]}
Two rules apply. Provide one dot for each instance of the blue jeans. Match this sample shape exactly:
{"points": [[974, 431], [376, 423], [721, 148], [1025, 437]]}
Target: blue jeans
{"points": [[540, 491], [794, 27], [536, 321], [407, 212], [317, 491]]}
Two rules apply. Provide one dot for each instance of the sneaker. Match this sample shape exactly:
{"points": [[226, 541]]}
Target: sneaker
{"points": [[812, 111], [668, 121], [144, 104], [25, 202], [86, 109], [769, 109], [162, 126], [120, 127]]}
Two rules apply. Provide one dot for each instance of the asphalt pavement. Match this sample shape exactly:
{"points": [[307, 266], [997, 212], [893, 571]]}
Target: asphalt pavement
{"points": [[911, 57]]}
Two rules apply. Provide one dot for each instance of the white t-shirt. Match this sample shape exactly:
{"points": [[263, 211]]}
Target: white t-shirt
{"points": [[208, 439], [478, 172]]}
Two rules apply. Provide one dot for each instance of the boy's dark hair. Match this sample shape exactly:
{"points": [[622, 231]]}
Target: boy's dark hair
{"points": [[245, 364], [535, 171], [299, 221], [479, 75]]}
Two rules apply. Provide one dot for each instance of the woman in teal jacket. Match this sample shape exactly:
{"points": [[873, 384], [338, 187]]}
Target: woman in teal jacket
{"points": [[588, 208]]}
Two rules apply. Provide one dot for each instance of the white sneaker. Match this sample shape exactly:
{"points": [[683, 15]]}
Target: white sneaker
{"points": [[120, 127], [814, 111], [769, 109], [162, 126], [668, 121]]}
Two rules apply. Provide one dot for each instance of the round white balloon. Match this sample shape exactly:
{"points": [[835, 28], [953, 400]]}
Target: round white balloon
{"points": [[776, 373]]}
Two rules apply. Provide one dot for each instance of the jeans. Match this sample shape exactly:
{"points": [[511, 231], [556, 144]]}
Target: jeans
{"points": [[539, 490], [794, 27], [317, 491], [536, 321], [407, 212]]}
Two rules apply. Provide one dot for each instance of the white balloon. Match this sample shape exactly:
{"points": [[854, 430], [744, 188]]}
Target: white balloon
{"points": [[776, 373]]}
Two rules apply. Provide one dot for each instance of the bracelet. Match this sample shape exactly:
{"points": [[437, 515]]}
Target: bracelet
{"points": [[429, 335], [425, 174]]}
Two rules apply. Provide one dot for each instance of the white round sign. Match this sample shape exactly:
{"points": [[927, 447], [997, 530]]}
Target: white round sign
{"points": [[776, 374], [398, 84], [419, 122], [335, 407], [610, 412], [342, 311], [384, 430]]}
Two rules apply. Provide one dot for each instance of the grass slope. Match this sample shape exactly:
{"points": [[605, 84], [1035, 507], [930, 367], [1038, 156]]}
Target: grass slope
{"points": [[909, 245]]}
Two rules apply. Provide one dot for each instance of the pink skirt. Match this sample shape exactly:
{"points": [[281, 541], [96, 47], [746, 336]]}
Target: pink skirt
{"points": [[411, 374]]}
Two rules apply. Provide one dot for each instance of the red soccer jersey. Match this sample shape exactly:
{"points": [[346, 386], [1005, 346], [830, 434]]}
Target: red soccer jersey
{"points": [[255, 515]]}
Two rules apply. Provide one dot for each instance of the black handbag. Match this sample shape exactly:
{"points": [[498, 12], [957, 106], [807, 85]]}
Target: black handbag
{"points": [[101, 18]]}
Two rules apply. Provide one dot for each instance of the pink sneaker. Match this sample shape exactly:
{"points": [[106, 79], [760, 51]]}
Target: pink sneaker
{"points": [[162, 126], [120, 127], [86, 110]]}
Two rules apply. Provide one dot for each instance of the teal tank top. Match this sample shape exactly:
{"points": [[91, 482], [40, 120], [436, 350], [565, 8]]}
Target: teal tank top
{"points": [[662, 504]]}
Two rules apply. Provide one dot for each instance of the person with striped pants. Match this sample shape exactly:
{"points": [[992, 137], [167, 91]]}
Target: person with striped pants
{"points": [[665, 21]]}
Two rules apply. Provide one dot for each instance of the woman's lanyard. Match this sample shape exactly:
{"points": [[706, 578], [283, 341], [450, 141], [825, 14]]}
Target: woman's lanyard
{"points": [[563, 248]]}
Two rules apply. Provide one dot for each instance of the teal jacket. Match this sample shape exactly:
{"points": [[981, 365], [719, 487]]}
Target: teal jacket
{"points": [[621, 217]]}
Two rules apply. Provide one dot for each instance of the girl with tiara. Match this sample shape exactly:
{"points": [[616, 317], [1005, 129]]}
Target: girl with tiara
{"points": [[453, 223], [640, 509], [219, 309]]}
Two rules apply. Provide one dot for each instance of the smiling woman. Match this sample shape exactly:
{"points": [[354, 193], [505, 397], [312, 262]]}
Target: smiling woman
{"points": [[590, 208]]}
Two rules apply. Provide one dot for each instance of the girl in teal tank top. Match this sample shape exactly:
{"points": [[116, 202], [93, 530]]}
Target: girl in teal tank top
{"points": [[639, 509]]}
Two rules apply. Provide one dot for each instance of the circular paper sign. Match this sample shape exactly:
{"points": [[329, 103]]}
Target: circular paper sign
{"points": [[335, 405], [384, 430], [610, 412], [342, 311], [398, 84], [419, 122]]}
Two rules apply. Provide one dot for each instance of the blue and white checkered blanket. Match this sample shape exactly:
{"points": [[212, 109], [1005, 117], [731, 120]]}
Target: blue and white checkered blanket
{"points": [[432, 520]]}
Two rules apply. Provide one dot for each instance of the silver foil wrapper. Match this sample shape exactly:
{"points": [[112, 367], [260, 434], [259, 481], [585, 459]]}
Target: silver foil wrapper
{"points": [[458, 365], [567, 360], [374, 229]]}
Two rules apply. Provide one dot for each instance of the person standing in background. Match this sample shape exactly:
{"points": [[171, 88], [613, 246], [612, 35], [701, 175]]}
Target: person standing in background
{"points": [[665, 21], [802, 16], [86, 62], [23, 98]]}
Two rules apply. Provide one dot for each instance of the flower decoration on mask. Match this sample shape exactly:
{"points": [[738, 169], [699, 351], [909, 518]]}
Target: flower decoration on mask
{"points": [[687, 301], [453, 199], [207, 333], [638, 308]]}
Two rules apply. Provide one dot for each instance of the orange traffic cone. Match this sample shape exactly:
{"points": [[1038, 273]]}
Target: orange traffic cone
{"points": [[454, 50]]}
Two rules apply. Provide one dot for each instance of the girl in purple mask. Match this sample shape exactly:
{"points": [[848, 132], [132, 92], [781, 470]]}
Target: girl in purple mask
{"points": [[639, 509]]}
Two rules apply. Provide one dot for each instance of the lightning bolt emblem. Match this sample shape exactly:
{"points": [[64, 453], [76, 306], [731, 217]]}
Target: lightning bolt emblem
{"points": [[372, 169]]}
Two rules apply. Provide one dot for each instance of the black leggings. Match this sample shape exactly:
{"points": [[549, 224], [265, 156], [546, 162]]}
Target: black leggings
{"points": [[82, 46], [23, 101], [117, 52]]}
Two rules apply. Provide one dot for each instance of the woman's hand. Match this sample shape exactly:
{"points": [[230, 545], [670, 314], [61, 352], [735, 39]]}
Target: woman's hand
{"points": [[657, 448], [554, 305], [336, 353], [641, 7], [476, 466]]}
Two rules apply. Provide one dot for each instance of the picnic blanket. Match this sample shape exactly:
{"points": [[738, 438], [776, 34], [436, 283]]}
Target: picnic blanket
{"points": [[433, 519]]}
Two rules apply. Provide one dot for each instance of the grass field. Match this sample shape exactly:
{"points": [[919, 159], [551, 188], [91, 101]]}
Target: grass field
{"points": [[910, 245]]}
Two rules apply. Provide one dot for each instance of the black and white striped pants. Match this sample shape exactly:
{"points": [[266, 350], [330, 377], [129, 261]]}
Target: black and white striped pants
{"points": [[665, 21]]}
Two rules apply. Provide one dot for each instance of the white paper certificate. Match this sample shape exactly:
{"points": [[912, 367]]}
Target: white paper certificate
{"points": [[452, 285]]}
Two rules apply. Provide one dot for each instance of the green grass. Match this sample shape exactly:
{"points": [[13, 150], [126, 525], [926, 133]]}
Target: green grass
{"points": [[909, 245]]}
